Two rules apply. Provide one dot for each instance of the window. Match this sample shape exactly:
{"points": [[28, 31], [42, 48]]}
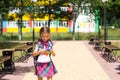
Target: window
{"points": [[25, 24]]}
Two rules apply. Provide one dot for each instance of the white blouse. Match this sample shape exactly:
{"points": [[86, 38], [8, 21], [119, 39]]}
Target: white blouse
{"points": [[42, 57]]}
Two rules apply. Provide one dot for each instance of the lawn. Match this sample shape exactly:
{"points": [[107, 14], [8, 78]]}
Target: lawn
{"points": [[112, 34]]}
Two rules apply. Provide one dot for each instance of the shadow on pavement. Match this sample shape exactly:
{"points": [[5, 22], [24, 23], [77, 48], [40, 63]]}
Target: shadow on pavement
{"points": [[19, 71]]}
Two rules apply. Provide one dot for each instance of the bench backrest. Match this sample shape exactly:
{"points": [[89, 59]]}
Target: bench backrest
{"points": [[107, 43]]}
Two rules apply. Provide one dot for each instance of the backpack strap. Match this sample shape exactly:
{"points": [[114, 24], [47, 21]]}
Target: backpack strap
{"points": [[39, 44]]}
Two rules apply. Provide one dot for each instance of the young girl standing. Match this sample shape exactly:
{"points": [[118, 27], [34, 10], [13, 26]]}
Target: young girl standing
{"points": [[44, 66]]}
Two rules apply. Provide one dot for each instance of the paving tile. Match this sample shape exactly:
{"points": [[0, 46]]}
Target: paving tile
{"points": [[74, 61]]}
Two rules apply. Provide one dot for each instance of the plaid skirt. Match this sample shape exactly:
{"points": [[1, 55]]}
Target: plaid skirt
{"points": [[45, 69]]}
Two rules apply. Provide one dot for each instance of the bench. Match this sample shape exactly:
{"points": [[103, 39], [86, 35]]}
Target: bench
{"points": [[97, 45], [2, 60], [91, 39], [110, 51], [6, 61], [25, 49]]}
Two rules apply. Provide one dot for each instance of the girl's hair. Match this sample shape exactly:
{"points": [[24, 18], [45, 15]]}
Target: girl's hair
{"points": [[44, 30]]}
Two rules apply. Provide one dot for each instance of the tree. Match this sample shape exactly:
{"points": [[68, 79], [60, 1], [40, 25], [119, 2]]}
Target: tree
{"points": [[113, 12], [4, 9], [76, 4], [41, 8], [112, 8]]}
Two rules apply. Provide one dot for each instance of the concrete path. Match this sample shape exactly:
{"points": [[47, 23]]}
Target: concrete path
{"points": [[74, 62]]}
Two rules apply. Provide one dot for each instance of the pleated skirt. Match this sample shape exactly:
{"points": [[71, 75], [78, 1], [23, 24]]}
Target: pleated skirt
{"points": [[45, 69]]}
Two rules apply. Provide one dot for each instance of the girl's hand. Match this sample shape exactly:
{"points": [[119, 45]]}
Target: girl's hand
{"points": [[43, 51], [53, 53]]}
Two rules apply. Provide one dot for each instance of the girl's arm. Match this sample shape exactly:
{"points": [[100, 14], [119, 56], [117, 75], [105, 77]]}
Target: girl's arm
{"points": [[36, 52], [52, 52]]}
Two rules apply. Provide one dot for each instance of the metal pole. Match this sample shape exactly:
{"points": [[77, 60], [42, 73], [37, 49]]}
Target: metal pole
{"points": [[20, 24], [0, 24], [74, 18], [33, 32], [49, 14], [99, 32], [73, 33], [78, 32], [105, 33]]}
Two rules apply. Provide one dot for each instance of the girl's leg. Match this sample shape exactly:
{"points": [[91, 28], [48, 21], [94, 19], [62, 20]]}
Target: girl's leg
{"points": [[49, 78], [40, 78]]}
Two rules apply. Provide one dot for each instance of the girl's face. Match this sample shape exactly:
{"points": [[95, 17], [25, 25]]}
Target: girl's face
{"points": [[45, 36]]}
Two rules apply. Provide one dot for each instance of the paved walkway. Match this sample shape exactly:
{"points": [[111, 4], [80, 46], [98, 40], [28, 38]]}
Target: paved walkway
{"points": [[73, 61], [111, 68]]}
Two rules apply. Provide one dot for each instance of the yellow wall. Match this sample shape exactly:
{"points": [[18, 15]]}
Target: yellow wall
{"points": [[36, 30], [54, 29], [12, 30]]}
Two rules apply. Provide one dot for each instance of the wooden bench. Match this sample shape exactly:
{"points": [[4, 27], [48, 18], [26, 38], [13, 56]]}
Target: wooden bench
{"points": [[7, 62], [7, 59], [97, 45], [91, 39], [2, 60], [25, 49], [111, 51], [104, 50]]}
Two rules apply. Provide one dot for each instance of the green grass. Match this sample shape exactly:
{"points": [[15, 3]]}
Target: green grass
{"points": [[54, 36], [118, 45], [112, 34]]}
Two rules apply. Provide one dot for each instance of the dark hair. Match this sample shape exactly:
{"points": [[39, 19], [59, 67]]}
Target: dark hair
{"points": [[44, 30]]}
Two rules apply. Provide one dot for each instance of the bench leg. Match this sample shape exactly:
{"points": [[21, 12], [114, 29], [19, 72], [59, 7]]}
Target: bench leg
{"points": [[9, 66], [1, 68]]}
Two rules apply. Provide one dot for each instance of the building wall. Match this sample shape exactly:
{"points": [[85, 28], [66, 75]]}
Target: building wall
{"points": [[12, 26], [82, 24]]}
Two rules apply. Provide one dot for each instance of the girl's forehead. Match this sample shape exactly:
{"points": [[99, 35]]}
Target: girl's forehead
{"points": [[45, 34]]}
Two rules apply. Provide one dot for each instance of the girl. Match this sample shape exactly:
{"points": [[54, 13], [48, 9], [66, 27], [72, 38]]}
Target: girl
{"points": [[44, 66]]}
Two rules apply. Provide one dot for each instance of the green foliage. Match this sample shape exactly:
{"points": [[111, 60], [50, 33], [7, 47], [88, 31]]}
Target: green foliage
{"points": [[60, 36], [115, 22], [8, 37]]}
